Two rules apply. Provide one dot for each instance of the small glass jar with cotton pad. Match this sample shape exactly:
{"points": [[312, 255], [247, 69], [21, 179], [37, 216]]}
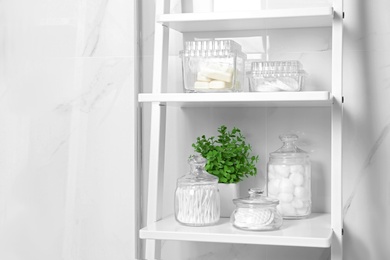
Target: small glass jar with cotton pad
{"points": [[197, 201], [256, 212], [272, 76], [289, 179], [212, 66]]}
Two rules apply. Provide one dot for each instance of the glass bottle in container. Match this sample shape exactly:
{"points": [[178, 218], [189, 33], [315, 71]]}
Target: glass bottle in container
{"points": [[197, 201], [256, 212], [289, 179]]}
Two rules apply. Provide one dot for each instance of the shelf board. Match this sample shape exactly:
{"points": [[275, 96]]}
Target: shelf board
{"points": [[314, 231], [253, 20], [241, 99]]}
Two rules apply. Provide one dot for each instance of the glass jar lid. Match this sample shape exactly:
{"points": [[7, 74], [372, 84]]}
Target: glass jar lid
{"points": [[276, 67], [289, 149], [256, 198], [210, 48], [197, 174]]}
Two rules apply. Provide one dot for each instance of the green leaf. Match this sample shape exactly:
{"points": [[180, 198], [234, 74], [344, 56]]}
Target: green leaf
{"points": [[228, 155], [223, 180]]}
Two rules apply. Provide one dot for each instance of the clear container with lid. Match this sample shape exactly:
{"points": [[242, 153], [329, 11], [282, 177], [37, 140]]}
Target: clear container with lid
{"points": [[256, 212], [289, 179], [197, 201], [213, 66], [268, 76]]}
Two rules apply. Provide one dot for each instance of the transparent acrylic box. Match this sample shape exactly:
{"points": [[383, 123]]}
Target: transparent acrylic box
{"points": [[213, 66], [268, 76]]}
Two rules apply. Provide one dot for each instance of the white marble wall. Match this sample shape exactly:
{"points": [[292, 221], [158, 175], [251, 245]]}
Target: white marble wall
{"points": [[367, 130], [67, 71], [366, 127]]}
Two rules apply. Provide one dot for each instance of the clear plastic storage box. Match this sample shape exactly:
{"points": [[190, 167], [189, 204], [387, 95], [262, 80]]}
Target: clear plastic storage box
{"points": [[266, 76], [213, 66]]}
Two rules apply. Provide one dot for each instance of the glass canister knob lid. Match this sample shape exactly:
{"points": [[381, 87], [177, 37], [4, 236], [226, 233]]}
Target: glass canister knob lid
{"points": [[288, 137], [255, 192], [197, 174], [256, 198], [289, 146]]}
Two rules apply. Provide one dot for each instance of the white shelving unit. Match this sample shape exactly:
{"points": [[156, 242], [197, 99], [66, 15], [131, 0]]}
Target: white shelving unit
{"points": [[266, 19], [242, 99], [319, 230], [312, 232]]}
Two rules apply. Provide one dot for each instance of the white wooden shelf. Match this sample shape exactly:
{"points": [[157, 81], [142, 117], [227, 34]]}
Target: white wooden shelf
{"points": [[264, 19], [319, 230], [241, 99], [314, 231]]}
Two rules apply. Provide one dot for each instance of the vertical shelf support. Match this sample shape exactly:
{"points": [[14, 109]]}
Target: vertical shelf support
{"points": [[136, 138], [157, 131], [337, 119], [156, 175]]}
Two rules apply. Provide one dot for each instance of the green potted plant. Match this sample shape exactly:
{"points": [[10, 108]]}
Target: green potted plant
{"points": [[229, 158]]}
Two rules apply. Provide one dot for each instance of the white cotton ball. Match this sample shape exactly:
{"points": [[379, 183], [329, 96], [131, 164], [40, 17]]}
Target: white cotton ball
{"points": [[271, 168], [297, 169], [297, 203], [272, 175], [297, 179], [301, 193], [282, 170], [285, 197], [307, 204], [274, 187], [286, 186], [287, 209]]}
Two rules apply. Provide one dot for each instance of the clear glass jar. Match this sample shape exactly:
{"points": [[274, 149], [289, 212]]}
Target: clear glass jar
{"points": [[213, 66], [197, 201], [269, 76], [289, 179], [256, 212]]}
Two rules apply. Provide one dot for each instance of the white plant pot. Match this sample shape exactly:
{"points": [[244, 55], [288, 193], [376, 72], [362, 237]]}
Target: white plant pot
{"points": [[228, 192]]}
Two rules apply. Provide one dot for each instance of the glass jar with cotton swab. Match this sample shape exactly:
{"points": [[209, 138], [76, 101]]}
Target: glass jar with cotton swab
{"points": [[197, 201]]}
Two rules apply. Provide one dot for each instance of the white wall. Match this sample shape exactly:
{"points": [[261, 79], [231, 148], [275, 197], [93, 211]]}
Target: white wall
{"points": [[67, 73], [366, 128]]}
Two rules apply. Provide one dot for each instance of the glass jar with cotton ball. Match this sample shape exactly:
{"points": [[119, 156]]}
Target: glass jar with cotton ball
{"points": [[256, 212], [289, 179]]}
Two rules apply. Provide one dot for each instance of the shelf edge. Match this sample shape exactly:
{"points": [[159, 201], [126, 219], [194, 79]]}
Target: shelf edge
{"points": [[240, 237]]}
